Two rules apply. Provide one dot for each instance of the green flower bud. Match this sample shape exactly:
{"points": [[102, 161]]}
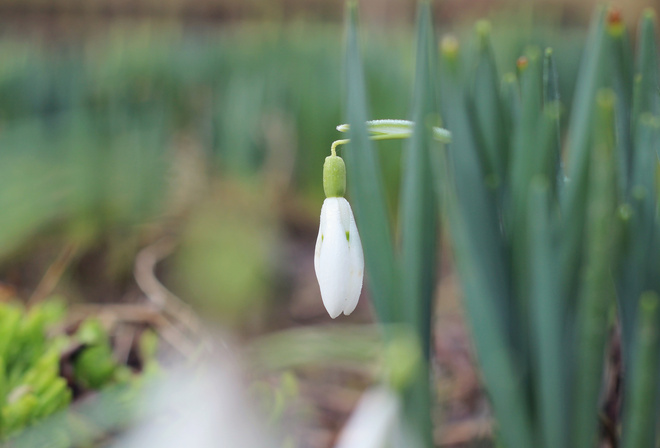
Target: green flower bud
{"points": [[334, 177]]}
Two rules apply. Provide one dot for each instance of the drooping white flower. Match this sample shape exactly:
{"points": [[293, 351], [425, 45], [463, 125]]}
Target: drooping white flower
{"points": [[338, 258]]}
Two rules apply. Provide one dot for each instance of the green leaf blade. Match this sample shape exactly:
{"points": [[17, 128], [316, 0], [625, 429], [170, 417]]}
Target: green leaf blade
{"points": [[574, 199], [546, 312], [418, 219], [365, 186], [487, 105], [639, 424], [471, 209], [597, 294], [648, 97]]}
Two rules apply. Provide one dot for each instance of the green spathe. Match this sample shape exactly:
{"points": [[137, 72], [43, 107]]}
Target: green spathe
{"points": [[334, 177]]}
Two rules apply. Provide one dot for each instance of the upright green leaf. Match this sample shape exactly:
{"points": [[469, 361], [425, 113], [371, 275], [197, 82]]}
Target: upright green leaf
{"points": [[526, 149], [525, 139], [365, 186], [497, 361], [597, 294], [638, 264], [546, 318], [551, 96], [475, 196], [578, 144], [525, 145], [551, 92], [639, 425], [545, 155], [418, 215], [487, 105], [469, 204], [418, 218], [511, 101], [648, 96], [621, 69]]}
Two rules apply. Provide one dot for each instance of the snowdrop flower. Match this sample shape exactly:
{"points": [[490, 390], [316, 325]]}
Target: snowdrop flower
{"points": [[375, 423], [338, 258]]}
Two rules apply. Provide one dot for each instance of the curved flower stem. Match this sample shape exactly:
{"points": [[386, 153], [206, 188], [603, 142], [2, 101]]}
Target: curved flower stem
{"points": [[333, 148]]}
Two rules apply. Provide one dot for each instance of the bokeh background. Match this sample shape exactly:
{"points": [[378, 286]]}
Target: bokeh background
{"points": [[186, 138]]}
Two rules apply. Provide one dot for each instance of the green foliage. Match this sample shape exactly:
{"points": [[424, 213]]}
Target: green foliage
{"points": [[90, 134], [222, 265], [539, 252], [32, 387], [407, 269], [547, 244], [95, 366]]}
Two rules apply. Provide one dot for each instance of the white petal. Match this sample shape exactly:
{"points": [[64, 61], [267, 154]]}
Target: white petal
{"points": [[374, 422], [332, 263], [338, 258], [356, 265], [319, 239]]}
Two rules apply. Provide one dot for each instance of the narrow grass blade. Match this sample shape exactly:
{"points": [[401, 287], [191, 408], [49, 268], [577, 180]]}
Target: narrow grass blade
{"points": [[551, 96], [597, 289], [475, 197], [648, 96], [550, 78], [418, 219], [487, 106], [418, 214], [511, 101], [578, 146], [365, 187], [639, 425], [502, 375], [546, 318], [481, 257], [621, 73], [545, 157], [525, 138], [589, 81], [637, 263], [526, 148]]}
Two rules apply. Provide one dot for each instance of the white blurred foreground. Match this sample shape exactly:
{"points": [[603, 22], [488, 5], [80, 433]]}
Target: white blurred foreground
{"points": [[207, 408], [210, 407]]}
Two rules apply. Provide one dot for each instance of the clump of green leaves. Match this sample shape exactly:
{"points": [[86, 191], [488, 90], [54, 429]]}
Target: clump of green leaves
{"points": [[32, 383], [547, 254], [555, 231], [94, 365]]}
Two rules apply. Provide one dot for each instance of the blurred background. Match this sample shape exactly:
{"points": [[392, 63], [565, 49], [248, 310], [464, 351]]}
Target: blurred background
{"points": [[164, 157]]}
